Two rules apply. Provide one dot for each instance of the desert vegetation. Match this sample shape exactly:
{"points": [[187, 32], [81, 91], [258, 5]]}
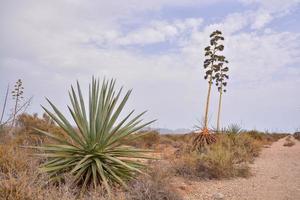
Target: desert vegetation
{"points": [[214, 71], [288, 142], [297, 135], [97, 154], [172, 159]]}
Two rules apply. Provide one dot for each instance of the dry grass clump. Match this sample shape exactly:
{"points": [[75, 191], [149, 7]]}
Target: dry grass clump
{"points": [[265, 138], [156, 185], [32, 186], [17, 180], [225, 161], [260, 136], [12, 158], [177, 142], [229, 157], [244, 147], [288, 142], [27, 125], [20, 178], [145, 139]]}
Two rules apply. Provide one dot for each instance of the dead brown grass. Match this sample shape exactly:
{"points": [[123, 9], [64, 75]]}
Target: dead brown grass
{"points": [[146, 139], [229, 157], [20, 178], [156, 185]]}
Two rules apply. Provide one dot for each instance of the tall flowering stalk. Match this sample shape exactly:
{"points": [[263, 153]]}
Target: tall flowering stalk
{"points": [[212, 65]]}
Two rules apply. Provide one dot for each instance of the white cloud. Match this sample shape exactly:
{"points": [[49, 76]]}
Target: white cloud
{"points": [[152, 32], [261, 19]]}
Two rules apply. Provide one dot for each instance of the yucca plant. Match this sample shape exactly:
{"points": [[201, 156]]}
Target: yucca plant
{"points": [[234, 129], [93, 151]]}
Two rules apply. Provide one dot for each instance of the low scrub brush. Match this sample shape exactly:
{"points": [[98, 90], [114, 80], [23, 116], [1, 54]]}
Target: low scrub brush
{"points": [[155, 185], [228, 157], [288, 142]]}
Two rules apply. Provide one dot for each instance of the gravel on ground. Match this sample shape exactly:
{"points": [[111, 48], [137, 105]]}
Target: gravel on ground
{"points": [[276, 176]]}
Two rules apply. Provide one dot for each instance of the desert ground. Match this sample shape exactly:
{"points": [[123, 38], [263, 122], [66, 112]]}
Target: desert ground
{"points": [[275, 176]]}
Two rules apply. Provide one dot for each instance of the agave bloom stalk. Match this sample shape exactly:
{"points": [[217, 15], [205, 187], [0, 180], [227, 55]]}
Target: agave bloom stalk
{"points": [[17, 95], [212, 66], [93, 151], [221, 82]]}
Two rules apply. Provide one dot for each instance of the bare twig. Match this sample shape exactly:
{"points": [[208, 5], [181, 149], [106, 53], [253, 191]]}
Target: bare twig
{"points": [[22, 108], [4, 105]]}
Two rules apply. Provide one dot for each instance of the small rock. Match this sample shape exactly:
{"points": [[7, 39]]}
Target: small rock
{"points": [[218, 196]]}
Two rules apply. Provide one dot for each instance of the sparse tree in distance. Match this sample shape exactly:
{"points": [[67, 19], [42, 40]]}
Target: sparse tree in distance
{"points": [[212, 65]]}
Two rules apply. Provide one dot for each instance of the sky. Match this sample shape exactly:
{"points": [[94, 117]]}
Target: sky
{"points": [[157, 48]]}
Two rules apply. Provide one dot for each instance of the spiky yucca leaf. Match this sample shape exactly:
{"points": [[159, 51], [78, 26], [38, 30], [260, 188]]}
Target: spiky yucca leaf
{"points": [[94, 152]]}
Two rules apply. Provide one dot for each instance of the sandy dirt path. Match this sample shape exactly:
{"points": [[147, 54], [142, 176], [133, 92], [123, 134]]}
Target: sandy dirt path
{"points": [[276, 176]]}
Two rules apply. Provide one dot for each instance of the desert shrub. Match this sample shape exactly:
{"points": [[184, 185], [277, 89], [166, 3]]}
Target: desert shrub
{"points": [[4, 136], [20, 178], [15, 180], [186, 138], [288, 142], [245, 148], [233, 129], [186, 164], [179, 141], [2, 130], [12, 158], [156, 185], [256, 135], [167, 141], [28, 122], [30, 185], [27, 125], [229, 157], [15, 188], [224, 161], [265, 138], [273, 137], [297, 135], [145, 139]]}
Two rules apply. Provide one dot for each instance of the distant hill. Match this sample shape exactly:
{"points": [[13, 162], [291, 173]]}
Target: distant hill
{"points": [[170, 131]]}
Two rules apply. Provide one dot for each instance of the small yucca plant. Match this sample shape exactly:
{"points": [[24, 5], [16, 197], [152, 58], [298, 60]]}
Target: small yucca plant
{"points": [[93, 151]]}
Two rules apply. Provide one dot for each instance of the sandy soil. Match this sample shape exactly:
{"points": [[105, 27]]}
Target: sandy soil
{"points": [[276, 176]]}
